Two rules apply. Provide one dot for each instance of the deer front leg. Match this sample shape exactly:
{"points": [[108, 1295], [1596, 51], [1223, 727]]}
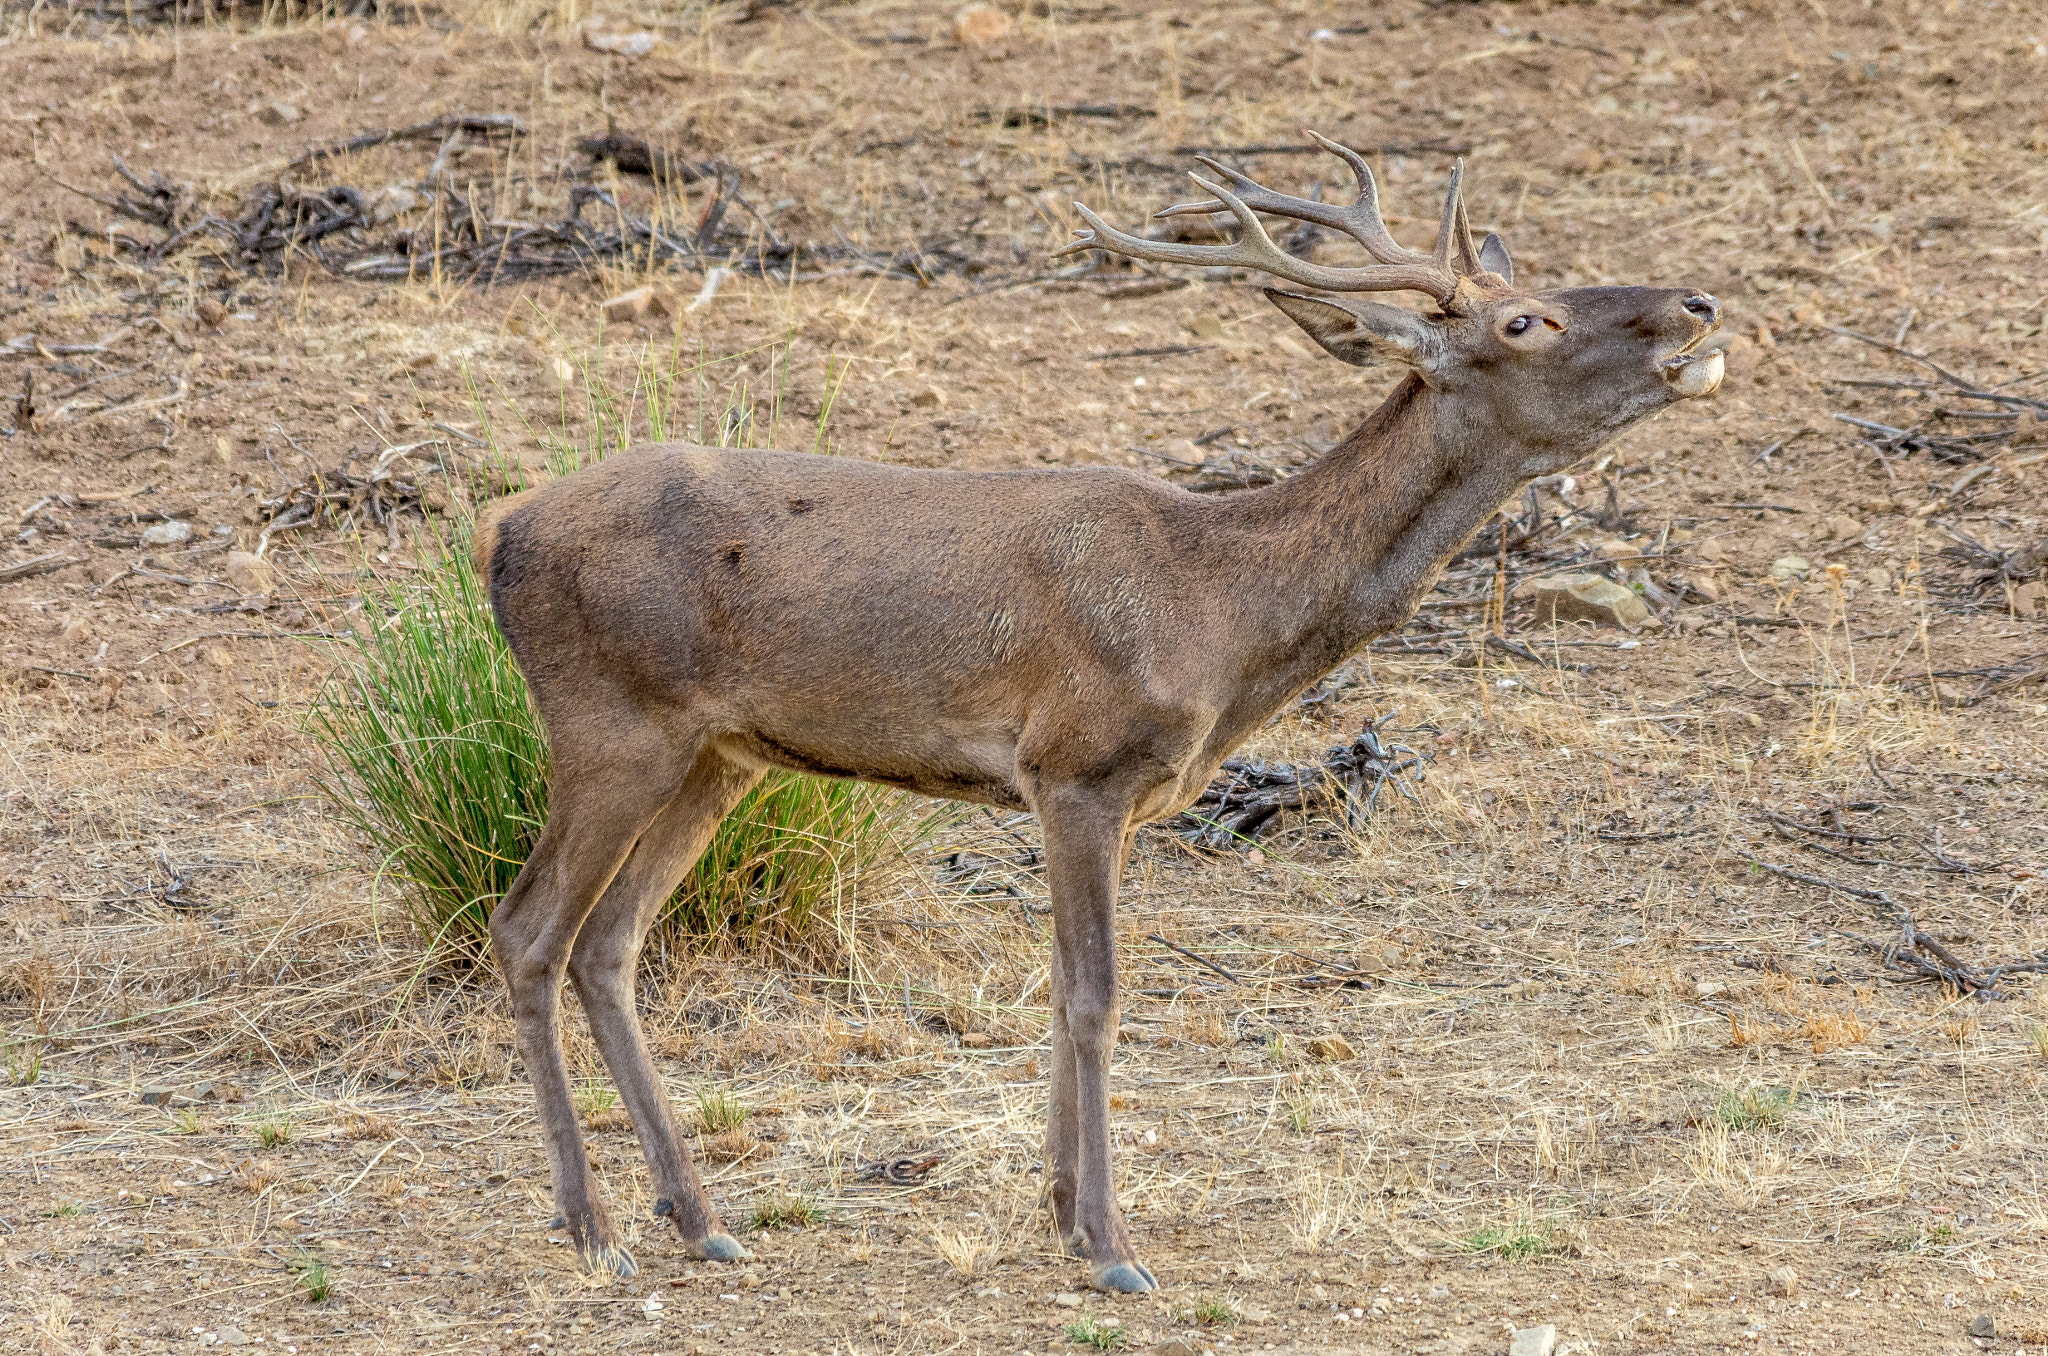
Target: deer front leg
{"points": [[1085, 833]]}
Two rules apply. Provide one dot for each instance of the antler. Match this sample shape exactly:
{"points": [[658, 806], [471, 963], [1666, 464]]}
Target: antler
{"points": [[1436, 273]]}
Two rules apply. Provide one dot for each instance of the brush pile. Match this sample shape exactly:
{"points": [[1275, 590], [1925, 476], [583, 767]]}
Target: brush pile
{"points": [[1247, 794], [469, 218]]}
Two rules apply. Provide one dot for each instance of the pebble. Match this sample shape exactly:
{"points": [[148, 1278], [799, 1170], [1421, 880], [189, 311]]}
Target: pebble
{"points": [[1590, 597], [1540, 1340], [1790, 567], [981, 25], [1331, 1049], [166, 534], [1983, 1325], [1067, 1299]]}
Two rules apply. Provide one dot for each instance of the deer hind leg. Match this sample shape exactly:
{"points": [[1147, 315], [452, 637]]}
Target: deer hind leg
{"points": [[1086, 833], [595, 818], [603, 967]]}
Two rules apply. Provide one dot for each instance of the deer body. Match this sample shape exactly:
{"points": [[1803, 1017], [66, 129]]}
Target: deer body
{"points": [[1086, 644]]}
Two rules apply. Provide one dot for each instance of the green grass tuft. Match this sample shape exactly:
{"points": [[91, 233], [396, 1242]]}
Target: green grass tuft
{"points": [[1753, 1108], [1517, 1240], [719, 1111], [1093, 1332], [1212, 1312], [435, 754], [782, 1210], [316, 1283]]}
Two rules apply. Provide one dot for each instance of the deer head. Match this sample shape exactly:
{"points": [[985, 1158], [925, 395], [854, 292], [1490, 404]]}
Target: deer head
{"points": [[1546, 376]]}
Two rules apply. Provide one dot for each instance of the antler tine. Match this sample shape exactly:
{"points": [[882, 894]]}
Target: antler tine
{"points": [[1454, 248], [1361, 220], [1255, 249]]}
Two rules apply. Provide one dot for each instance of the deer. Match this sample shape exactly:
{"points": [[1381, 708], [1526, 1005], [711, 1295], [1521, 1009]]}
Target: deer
{"points": [[1083, 643]]}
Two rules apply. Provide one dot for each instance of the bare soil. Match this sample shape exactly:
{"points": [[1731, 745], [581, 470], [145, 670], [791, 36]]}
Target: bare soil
{"points": [[1601, 1067]]}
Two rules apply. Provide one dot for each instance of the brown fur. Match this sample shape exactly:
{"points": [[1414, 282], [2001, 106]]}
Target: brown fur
{"points": [[1087, 644]]}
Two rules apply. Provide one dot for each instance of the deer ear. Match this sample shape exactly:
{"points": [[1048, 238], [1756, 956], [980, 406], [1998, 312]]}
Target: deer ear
{"points": [[1493, 256], [1363, 333]]}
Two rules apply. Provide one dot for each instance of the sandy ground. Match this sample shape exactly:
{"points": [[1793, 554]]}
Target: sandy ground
{"points": [[1607, 1070]]}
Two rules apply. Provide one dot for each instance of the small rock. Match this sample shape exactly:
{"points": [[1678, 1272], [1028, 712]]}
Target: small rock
{"points": [[1878, 578], [930, 398], [166, 534], [976, 1040], [1708, 988], [1983, 1325], [158, 1095], [1067, 1299], [563, 372], [1178, 1346], [1707, 586], [2031, 600], [251, 573], [981, 25], [1790, 567], [1540, 1340], [640, 304], [1206, 327], [1184, 449], [231, 1337], [1810, 315], [1783, 1281], [211, 313], [636, 43], [1844, 527], [1331, 1049], [1590, 597], [278, 114], [392, 200], [1585, 160]]}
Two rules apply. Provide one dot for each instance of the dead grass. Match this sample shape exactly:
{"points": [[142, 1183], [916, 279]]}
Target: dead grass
{"points": [[1543, 1117]]}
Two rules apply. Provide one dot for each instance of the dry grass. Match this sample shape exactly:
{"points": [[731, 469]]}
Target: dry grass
{"points": [[1607, 1073]]}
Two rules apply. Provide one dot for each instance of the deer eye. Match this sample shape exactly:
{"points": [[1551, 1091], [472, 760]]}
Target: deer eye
{"points": [[1520, 324]]}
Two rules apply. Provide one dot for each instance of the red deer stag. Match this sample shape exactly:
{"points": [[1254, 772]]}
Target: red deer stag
{"points": [[1087, 644]]}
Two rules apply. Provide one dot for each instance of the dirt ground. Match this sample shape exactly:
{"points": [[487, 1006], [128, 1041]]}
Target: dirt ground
{"points": [[1604, 1066]]}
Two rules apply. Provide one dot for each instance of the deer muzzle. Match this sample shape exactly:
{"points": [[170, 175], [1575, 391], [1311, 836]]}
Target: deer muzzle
{"points": [[1694, 374]]}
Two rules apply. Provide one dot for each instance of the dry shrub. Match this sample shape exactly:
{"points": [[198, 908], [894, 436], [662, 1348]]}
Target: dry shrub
{"points": [[1646, 981], [1958, 1031], [257, 1176], [729, 1146], [610, 1120], [1743, 1033], [1835, 1030], [369, 1125], [1196, 1026]]}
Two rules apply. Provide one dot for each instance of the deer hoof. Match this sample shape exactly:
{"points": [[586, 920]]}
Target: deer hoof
{"points": [[1124, 1278], [717, 1248], [608, 1259]]}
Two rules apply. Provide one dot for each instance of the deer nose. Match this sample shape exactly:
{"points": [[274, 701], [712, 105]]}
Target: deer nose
{"points": [[1703, 308]]}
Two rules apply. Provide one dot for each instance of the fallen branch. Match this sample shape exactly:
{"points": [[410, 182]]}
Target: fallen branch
{"points": [[1247, 794]]}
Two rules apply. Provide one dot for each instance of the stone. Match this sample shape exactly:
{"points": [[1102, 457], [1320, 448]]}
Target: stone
{"points": [[1593, 598], [1790, 567], [635, 43], [1878, 578], [930, 398], [1845, 528], [1709, 988], [158, 1095], [251, 573], [981, 25], [976, 1040], [1707, 586], [1206, 327], [231, 1337], [2031, 601], [392, 200], [1331, 1049], [1178, 1346], [1067, 1299], [166, 534], [210, 312], [1540, 1340], [642, 303], [1585, 160], [278, 114], [1783, 1281], [1983, 1325]]}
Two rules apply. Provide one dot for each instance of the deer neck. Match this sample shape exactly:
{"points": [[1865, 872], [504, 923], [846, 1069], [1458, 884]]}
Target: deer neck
{"points": [[1351, 544]]}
